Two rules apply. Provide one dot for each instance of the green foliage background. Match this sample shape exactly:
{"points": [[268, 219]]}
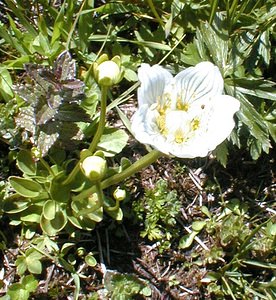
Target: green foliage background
{"points": [[237, 36]]}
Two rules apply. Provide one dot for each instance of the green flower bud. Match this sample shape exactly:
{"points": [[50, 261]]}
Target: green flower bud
{"points": [[108, 72], [119, 194], [94, 167]]}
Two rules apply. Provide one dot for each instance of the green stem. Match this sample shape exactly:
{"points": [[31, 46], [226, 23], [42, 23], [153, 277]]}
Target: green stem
{"points": [[100, 194], [96, 138], [113, 208], [46, 166], [72, 175], [101, 124], [142, 163], [155, 13]]}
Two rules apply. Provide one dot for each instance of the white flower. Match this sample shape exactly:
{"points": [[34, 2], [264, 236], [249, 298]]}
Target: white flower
{"points": [[187, 115]]}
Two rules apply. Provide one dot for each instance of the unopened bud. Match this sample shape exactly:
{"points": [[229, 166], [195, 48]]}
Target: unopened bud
{"points": [[119, 194], [108, 73], [94, 167]]}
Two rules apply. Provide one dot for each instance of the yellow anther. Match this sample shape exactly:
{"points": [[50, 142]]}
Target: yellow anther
{"points": [[161, 123], [179, 136], [195, 124], [180, 105]]}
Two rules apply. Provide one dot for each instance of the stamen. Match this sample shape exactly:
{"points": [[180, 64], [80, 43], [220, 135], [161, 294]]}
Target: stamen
{"points": [[181, 105], [161, 123], [195, 124], [179, 136]]}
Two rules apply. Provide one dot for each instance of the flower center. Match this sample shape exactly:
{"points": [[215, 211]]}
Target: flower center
{"points": [[179, 123]]}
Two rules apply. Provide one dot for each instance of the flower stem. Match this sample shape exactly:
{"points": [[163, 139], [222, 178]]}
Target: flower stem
{"points": [[155, 13], [96, 138], [101, 123], [46, 166], [142, 163], [72, 175]]}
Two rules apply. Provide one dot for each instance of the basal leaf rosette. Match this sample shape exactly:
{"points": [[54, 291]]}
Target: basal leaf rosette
{"points": [[185, 116]]}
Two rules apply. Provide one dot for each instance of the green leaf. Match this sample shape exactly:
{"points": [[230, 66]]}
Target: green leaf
{"points": [[58, 191], [58, 25], [130, 75], [32, 214], [17, 292], [30, 283], [52, 227], [113, 141], [15, 204], [26, 163], [221, 153], [76, 278], [198, 225], [216, 44], [260, 264], [117, 8], [25, 187], [254, 122], [21, 265], [260, 88], [90, 260], [82, 223], [116, 214], [49, 209], [34, 265], [19, 13], [6, 84], [187, 240]]}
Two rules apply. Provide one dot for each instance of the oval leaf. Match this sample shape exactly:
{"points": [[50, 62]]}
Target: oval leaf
{"points": [[187, 240], [26, 163], [49, 209], [52, 227], [25, 187], [90, 260]]}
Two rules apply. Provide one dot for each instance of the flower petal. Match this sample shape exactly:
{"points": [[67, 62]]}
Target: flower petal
{"points": [[202, 81], [221, 123], [145, 130], [154, 80]]}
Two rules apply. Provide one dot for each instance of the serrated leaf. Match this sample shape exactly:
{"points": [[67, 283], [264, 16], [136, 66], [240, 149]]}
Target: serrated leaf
{"points": [[260, 88], [46, 139], [216, 44], [221, 153]]}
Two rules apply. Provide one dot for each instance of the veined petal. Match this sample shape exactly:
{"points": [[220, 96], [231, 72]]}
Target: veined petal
{"points": [[154, 79], [186, 116], [221, 121], [146, 131], [202, 81]]}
